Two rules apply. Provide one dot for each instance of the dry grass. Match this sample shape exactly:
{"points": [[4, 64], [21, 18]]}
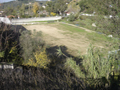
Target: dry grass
{"points": [[74, 38]]}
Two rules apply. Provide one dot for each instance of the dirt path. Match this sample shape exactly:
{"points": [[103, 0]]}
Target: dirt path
{"points": [[54, 36]]}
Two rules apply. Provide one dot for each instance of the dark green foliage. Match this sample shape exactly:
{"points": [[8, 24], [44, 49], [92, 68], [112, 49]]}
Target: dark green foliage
{"points": [[102, 9], [19, 3], [71, 18], [52, 79], [90, 6], [82, 17], [42, 15], [30, 42], [9, 44], [10, 11], [19, 8], [57, 6], [25, 16], [108, 25]]}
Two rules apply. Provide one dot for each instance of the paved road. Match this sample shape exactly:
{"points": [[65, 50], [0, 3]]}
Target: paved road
{"points": [[35, 19]]}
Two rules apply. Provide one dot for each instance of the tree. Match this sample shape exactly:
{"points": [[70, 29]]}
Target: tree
{"points": [[57, 6], [9, 11], [22, 10], [60, 6], [35, 8], [109, 25], [50, 7], [9, 44], [41, 8]]}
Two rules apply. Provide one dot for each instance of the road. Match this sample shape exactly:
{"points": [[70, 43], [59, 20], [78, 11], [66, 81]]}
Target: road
{"points": [[35, 19]]}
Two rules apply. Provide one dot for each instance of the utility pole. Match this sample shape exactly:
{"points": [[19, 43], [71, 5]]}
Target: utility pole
{"points": [[29, 7]]}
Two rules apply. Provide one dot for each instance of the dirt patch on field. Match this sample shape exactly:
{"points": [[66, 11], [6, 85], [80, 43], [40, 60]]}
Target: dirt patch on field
{"points": [[54, 36]]}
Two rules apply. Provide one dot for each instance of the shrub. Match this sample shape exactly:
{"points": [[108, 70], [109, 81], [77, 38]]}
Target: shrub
{"points": [[42, 15], [9, 40], [82, 17], [71, 18], [97, 64], [2, 54], [14, 57], [53, 14], [29, 42], [41, 59], [71, 65]]}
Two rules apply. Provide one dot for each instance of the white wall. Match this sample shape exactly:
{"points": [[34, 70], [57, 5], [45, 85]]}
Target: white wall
{"points": [[5, 20]]}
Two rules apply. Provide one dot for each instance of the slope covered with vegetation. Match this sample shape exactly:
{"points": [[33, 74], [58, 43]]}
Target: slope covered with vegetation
{"points": [[50, 68], [73, 6], [103, 14], [19, 3]]}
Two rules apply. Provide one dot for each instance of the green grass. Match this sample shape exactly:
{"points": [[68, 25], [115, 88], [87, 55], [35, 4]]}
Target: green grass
{"points": [[38, 21], [93, 37], [45, 21], [69, 28], [87, 23], [71, 65]]}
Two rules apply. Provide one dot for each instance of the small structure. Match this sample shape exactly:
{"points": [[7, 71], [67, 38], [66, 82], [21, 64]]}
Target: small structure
{"points": [[94, 25], [110, 36], [68, 12], [6, 20], [87, 14], [11, 16], [44, 6], [4, 65], [110, 16], [1, 13]]}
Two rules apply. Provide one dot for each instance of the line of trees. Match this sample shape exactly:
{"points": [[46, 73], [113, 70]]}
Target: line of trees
{"points": [[57, 6], [24, 10]]}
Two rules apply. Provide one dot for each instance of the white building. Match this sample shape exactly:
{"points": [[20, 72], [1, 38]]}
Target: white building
{"points": [[44, 6], [5, 20]]}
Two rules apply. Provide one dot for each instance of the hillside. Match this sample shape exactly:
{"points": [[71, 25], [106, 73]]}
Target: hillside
{"points": [[19, 2], [73, 6]]}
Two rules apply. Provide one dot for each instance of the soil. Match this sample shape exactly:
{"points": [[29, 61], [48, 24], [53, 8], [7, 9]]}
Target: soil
{"points": [[56, 37]]}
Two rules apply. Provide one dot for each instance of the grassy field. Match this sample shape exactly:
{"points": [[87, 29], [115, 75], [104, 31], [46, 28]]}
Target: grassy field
{"points": [[74, 38], [86, 22], [93, 37]]}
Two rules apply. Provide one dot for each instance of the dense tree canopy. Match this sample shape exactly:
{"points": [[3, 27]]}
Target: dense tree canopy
{"points": [[35, 7], [104, 8], [57, 6], [100, 6]]}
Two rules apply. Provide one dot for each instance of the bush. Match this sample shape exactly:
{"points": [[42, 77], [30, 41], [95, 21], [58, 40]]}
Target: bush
{"points": [[14, 56], [9, 43], [71, 18], [41, 59], [53, 14], [42, 15], [82, 17], [97, 64], [2, 54], [71, 65], [92, 18], [30, 42], [25, 16]]}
